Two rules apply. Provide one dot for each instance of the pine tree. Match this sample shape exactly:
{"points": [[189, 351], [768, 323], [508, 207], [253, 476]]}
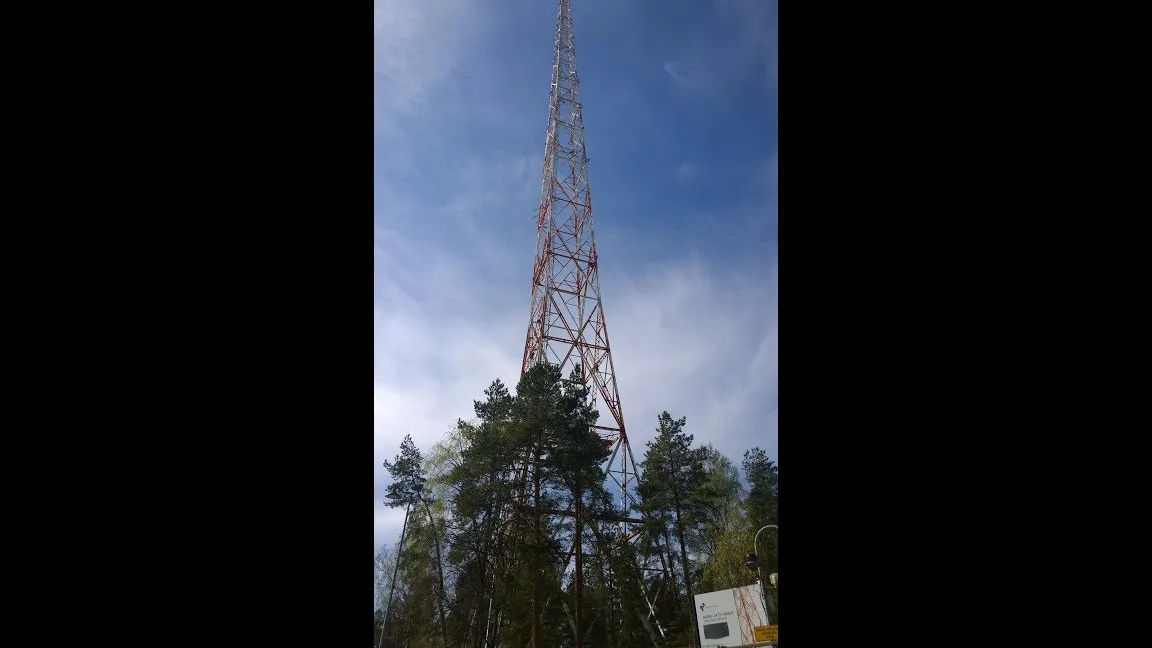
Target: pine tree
{"points": [[764, 482], [520, 484], [672, 489], [407, 471], [763, 502]]}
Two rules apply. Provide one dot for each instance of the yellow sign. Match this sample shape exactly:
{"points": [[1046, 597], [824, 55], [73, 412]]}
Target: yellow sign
{"points": [[766, 633]]}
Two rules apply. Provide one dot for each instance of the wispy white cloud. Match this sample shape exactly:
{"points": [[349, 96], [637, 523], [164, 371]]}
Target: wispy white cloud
{"points": [[769, 177], [418, 46], [673, 70], [732, 40], [691, 76], [756, 33], [698, 342], [686, 172]]}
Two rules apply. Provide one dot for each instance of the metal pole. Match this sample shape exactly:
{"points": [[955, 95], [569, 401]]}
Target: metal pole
{"points": [[759, 571], [392, 588]]}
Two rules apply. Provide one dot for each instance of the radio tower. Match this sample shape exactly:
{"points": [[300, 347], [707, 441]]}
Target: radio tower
{"points": [[566, 326], [566, 323]]}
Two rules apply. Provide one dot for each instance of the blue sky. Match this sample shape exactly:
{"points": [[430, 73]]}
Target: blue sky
{"points": [[681, 128]]}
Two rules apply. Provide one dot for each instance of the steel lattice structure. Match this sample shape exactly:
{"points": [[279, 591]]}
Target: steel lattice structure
{"points": [[566, 326]]}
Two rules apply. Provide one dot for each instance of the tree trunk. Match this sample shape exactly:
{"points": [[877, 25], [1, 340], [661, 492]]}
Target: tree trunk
{"points": [[484, 553], [671, 564], [687, 569], [536, 554], [578, 547], [440, 573], [488, 621], [395, 571]]}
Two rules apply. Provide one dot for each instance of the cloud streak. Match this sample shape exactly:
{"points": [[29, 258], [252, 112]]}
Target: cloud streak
{"points": [[729, 44], [417, 46], [686, 173], [673, 70]]}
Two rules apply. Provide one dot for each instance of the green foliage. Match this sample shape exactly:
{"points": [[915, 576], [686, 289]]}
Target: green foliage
{"points": [[407, 471], [676, 493], [383, 562], [762, 505], [489, 530], [764, 481], [720, 493], [726, 567], [419, 576]]}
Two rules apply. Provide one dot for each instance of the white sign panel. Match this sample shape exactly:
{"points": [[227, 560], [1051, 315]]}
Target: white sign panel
{"points": [[729, 617]]}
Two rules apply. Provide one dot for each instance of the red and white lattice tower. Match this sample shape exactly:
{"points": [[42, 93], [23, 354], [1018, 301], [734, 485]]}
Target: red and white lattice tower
{"points": [[567, 325]]}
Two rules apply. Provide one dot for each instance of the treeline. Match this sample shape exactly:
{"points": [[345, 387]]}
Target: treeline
{"points": [[484, 552]]}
